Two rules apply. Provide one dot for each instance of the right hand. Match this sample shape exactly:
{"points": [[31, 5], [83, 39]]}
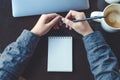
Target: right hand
{"points": [[80, 27]]}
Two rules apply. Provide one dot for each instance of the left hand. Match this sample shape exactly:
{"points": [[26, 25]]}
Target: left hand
{"points": [[45, 23]]}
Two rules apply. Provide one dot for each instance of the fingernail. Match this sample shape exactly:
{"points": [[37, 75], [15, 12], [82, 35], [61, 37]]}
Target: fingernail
{"points": [[66, 26], [63, 20], [57, 17]]}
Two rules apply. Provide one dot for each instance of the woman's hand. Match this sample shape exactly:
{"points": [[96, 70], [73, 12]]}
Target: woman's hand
{"points": [[80, 27], [45, 23]]}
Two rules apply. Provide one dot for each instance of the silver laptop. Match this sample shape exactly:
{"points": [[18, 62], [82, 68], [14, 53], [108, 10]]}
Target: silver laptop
{"points": [[22, 8]]}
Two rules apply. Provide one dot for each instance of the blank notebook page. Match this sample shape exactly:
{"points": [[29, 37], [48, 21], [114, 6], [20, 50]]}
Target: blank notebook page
{"points": [[59, 54]]}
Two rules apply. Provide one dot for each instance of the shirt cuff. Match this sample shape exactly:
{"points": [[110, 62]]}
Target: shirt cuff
{"points": [[93, 40], [28, 39]]}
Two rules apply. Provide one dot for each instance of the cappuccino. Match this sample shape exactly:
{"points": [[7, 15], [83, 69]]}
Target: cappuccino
{"points": [[111, 22], [113, 19]]}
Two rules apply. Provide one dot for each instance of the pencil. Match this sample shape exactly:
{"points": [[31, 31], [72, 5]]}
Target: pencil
{"points": [[85, 19]]}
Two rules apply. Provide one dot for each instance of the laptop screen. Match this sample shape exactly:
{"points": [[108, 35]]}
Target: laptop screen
{"points": [[36, 7]]}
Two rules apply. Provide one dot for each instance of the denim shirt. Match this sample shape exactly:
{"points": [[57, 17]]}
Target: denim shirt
{"points": [[103, 62], [16, 56]]}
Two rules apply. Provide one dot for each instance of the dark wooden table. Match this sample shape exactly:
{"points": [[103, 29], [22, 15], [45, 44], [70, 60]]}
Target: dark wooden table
{"points": [[10, 29]]}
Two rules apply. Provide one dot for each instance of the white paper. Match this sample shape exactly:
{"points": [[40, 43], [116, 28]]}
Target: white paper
{"points": [[59, 54]]}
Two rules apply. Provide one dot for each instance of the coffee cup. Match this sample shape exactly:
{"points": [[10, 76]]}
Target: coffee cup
{"points": [[112, 1], [111, 22]]}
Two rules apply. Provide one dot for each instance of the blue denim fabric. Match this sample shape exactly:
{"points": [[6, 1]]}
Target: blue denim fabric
{"points": [[103, 62], [15, 57]]}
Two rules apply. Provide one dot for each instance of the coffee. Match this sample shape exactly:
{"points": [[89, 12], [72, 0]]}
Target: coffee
{"points": [[113, 19], [111, 22]]}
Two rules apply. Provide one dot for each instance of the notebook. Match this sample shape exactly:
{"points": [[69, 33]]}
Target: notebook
{"points": [[35, 7], [59, 54]]}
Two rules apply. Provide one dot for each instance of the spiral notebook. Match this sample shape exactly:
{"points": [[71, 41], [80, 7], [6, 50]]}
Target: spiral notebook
{"points": [[59, 54]]}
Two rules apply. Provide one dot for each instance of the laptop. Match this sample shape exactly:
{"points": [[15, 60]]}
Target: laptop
{"points": [[22, 8]]}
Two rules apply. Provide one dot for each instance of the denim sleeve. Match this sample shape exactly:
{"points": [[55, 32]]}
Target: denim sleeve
{"points": [[15, 57], [103, 62]]}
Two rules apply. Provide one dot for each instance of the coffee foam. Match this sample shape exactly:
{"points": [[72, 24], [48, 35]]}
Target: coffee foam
{"points": [[113, 17]]}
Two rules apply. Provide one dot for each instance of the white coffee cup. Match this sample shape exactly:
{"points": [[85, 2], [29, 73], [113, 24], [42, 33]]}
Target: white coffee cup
{"points": [[112, 1], [111, 22]]}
